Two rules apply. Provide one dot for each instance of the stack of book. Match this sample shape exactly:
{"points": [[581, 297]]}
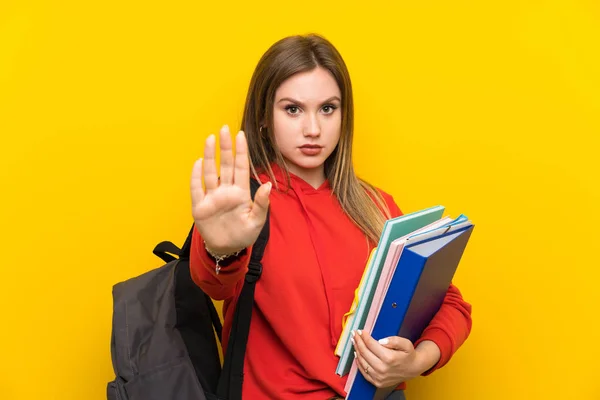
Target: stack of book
{"points": [[403, 286]]}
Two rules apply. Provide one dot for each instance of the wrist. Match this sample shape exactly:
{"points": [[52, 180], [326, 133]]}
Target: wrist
{"points": [[224, 252], [427, 355], [222, 257]]}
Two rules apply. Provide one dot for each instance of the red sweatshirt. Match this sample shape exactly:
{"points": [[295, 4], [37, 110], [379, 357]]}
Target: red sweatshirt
{"points": [[312, 264]]}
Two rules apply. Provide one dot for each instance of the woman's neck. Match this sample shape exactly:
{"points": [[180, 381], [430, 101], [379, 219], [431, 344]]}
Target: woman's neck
{"points": [[313, 176]]}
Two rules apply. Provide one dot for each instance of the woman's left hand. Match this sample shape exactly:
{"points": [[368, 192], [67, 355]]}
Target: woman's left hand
{"points": [[393, 360]]}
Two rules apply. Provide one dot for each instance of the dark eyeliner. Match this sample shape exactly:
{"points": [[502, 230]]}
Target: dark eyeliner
{"points": [[287, 108]]}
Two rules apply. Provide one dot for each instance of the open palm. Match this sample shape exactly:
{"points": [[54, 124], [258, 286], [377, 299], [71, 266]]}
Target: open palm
{"points": [[224, 213]]}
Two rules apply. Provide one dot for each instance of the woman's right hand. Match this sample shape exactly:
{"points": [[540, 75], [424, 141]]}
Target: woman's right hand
{"points": [[225, 215]]}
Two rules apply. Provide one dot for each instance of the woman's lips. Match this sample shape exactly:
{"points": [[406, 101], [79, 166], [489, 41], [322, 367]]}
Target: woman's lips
{"points": [[311, 150]]}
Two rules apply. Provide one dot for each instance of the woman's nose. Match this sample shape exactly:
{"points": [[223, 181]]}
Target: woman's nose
{"points": [[312, 127]]}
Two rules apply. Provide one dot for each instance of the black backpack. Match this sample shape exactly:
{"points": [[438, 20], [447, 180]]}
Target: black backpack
{"points": [[164, 331]]}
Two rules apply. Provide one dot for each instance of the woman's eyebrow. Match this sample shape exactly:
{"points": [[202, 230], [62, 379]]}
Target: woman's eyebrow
{"points": [[329, 100]]}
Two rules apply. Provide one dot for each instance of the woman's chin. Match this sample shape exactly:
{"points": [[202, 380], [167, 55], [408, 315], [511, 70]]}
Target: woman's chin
{"points": [[311, 164]]}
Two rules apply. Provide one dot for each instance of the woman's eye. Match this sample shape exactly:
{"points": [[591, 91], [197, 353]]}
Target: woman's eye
{"points": [[328, 109], [292, 109]]}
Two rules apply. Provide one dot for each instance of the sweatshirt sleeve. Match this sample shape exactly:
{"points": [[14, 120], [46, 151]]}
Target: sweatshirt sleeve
{"points": [[202, 269], [449, 328]]}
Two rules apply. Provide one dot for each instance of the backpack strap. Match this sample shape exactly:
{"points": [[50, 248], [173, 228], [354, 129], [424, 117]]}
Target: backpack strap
{"points": [[230, 382], [185, 249], [164, 251]]}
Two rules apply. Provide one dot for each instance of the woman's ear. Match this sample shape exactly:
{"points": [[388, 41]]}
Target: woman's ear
{"points": [[262, 127]]}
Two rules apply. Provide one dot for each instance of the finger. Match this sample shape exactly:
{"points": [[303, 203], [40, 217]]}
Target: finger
{"points": [[210, 168], [197, 191], [397, 343], [261, 203], [365, 352], [242, 163], [361, 362], [226, 156], [362, 365], [372, 345]]}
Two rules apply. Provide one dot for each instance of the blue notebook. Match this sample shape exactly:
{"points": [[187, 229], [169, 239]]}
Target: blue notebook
{"points": [[416, 292]]}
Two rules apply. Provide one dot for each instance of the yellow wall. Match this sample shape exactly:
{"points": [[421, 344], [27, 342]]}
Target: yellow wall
{"points": [[490, 108]]}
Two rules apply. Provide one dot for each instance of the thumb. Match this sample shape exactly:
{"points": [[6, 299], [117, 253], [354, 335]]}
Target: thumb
{"points": [[397, 343], [261, 201]]}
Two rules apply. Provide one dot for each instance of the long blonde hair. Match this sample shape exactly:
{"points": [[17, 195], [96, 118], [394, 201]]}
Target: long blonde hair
{"points": [[288, 56]]}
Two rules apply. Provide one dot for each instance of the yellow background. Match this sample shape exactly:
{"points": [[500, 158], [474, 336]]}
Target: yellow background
{"points": [[490, 108]]}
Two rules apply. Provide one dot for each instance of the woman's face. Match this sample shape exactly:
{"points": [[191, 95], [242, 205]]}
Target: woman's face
{"points": [[307, 119]]}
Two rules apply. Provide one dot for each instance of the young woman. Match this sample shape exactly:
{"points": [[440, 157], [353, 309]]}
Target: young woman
{"points": [[296, 138]]}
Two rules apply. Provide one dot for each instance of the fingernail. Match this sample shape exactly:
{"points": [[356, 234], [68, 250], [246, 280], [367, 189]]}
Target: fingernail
{"points": [[270, 185], [359, 332], [384, 341], [352, 332], [354, 354], [353, 342], [226, 127]]}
